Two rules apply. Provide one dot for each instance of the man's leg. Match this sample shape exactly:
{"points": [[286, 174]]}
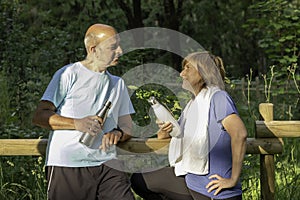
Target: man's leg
{"points": [[113, 183], [70, 183]]}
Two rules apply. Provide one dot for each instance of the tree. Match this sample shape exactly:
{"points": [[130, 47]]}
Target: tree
{"points": [[275, 25]]}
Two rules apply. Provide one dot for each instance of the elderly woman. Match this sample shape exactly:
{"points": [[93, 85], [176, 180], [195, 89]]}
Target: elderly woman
{"points": [[206, 159]]}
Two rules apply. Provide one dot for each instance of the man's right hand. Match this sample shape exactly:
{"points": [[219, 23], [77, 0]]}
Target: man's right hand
{"points": [[89, 124]]}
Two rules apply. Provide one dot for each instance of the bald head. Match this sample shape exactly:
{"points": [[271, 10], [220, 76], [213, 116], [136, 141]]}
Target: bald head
{"points": [[96, 34]]}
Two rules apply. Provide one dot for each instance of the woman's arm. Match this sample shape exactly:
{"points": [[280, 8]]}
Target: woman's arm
{"points": [[238, 133]]}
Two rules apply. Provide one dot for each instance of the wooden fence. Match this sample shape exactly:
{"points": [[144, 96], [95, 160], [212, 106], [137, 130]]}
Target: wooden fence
{"points": [[267, 142]]}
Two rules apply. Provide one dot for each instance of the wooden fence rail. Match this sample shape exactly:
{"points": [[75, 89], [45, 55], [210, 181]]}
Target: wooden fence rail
{"points": [[37, 147], [277, 130], [266, 143]]}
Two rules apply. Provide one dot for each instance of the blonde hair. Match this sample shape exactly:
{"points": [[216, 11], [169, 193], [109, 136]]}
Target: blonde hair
{"points": [[210, 67]]}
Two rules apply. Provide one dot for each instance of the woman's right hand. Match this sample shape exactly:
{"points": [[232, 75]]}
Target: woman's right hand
{"points": [[164, 129]]}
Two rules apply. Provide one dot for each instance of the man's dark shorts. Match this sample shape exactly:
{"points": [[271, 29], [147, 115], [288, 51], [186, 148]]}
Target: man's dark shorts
{"points": [[88, 183]]}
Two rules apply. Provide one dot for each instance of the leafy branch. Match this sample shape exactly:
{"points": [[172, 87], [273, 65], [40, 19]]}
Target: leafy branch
{"points": [[268, 84], [292, 70]]}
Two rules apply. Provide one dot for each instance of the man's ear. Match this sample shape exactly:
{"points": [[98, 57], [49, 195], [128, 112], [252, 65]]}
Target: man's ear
{"points": [[93, 49]]}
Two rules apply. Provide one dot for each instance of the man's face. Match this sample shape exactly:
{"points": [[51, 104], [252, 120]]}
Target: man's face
{"points": [[108, 51]]}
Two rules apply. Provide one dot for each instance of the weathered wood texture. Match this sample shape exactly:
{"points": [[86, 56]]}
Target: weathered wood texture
{"points": [[267, 177], [266, 111], [267, 164], [277, 129], [37, 147], [23, 147]]}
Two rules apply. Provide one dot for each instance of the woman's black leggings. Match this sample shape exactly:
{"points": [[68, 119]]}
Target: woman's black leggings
{"points": [[163, 184]]}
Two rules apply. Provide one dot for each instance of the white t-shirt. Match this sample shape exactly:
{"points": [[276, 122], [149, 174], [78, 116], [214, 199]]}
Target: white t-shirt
{"points": [[78, 92]]}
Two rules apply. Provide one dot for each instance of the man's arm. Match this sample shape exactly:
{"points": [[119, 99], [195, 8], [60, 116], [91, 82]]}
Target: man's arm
{"points": [[46, 117], [125, 124], [115, 136]]}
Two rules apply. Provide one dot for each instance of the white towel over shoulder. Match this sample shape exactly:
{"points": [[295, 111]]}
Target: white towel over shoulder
{"points": [[189, 151]]}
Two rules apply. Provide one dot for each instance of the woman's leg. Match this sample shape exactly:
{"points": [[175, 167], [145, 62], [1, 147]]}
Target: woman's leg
{"points": [[198, 196], [160, 184], [139, 186]]}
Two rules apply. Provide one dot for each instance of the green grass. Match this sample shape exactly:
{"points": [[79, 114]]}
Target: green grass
{"points": [[22, 178]]}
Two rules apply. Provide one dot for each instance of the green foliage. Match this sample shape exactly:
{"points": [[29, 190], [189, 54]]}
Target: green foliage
{"points": [[250, 177], [276, 25], [40, 36], [142, 106], [296, 78], [217, 26], [4, 103], [285, 96], [288, 171], [22, 178], [286, 107], [268, 85]]}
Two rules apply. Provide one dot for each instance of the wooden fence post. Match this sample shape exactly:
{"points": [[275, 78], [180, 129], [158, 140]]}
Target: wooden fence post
{"points": [[267, 164]]}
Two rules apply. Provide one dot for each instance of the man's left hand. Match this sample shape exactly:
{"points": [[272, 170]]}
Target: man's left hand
{"points": [[110, 139]]}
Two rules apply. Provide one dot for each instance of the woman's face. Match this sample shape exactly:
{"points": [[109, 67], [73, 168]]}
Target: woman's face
{"points": [[192, 80]]}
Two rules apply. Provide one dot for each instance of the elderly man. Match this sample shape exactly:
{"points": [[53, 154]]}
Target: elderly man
{"points": [[68, 108]]}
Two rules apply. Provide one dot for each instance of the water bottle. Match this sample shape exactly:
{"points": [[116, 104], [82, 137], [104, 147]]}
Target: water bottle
{"points": [[88, 139], [163, 114]]}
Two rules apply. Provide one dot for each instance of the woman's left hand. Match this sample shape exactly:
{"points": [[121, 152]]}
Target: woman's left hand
{"points": [[219, 183]]}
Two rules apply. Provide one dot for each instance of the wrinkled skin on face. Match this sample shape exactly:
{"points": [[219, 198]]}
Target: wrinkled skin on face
{"points": [[192, 80], [102, 46]]}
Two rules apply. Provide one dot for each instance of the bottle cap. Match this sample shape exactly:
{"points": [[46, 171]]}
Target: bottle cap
{"points": [[108, 104], [152, 100]]}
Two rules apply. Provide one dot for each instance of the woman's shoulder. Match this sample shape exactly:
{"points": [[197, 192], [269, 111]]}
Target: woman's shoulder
{"points": [[223, 101], [220, 94], [221, 97]]}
